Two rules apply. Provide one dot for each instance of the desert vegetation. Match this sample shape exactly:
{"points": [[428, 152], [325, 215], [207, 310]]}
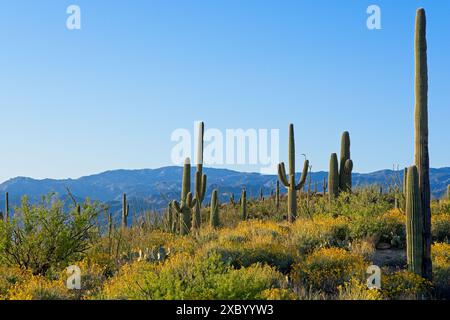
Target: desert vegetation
{"points": [[295, 244]]}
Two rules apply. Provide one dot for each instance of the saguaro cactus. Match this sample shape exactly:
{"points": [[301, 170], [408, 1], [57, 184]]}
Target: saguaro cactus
{"points": [[200, 180], [125, 211], [214, 214], [277, 195], [187, 203], [324, 186], [333, 178], [6, 207], [414, 223], [346, 164], [243, 203], [261, 194], [289, 180], [421, 157]]}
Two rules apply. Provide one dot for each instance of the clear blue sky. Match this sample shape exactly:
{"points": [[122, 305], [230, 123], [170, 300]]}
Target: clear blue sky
{"points": [[109, 95]]}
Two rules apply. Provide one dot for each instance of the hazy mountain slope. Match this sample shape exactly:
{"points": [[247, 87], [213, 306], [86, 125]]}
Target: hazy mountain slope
{"points": [[151, 188]]}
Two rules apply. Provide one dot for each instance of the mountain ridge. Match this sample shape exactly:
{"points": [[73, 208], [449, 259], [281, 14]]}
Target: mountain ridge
{"points": [[153, 188]]}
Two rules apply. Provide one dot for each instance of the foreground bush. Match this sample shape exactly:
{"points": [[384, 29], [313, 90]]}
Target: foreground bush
{"points": [[328, 268], [187, 277], [44, 236]]}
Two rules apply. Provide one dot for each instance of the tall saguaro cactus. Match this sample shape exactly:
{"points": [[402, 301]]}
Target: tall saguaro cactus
{"points": [[414, 222], [125, 211], [214, 214], [324, 186], [333, 177], [289, 180], [184, 207], [200, 180], [346, 164], [421, 157]]}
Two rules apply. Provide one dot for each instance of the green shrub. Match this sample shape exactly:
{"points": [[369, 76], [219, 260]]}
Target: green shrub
{"points": [[44, 236]]}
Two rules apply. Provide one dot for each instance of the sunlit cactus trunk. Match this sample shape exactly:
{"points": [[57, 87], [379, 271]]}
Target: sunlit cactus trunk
{"points": [[421, 156], [414, 223], [346, 164], [200, 180], [214, 214], [289, 180], [125, 211], [184, 207], [333, 178]]}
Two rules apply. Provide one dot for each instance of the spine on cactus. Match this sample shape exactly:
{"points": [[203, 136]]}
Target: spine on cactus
{"points": [[414, 223], [289, 180], [214, 214], [333, 178], [184, 207], [243, 203], [277, 194], [421, 158], [125, 211], [200, 180], [345, 165]]}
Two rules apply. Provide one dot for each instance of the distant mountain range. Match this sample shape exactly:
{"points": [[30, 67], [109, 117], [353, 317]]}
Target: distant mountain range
{"points": [[153, 188]]}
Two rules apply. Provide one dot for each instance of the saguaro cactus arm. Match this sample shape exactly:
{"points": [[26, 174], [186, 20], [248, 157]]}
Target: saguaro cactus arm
{"points": [[302, 181], [282, 175]]}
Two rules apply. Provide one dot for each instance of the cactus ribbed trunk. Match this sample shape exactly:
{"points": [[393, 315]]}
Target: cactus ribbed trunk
{"points": [[200, 180], [289, 180], [333, 178], [345, 165], [414, 223], [214, 214], [125, 211], [421, 156]]}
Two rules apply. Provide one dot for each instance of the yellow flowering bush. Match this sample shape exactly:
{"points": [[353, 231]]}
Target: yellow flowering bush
{"points": [[252, 242], [191, 277], [440, 253], [357, 290], [39, 288], [403, 285], [318, 232], [327, 268]]}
